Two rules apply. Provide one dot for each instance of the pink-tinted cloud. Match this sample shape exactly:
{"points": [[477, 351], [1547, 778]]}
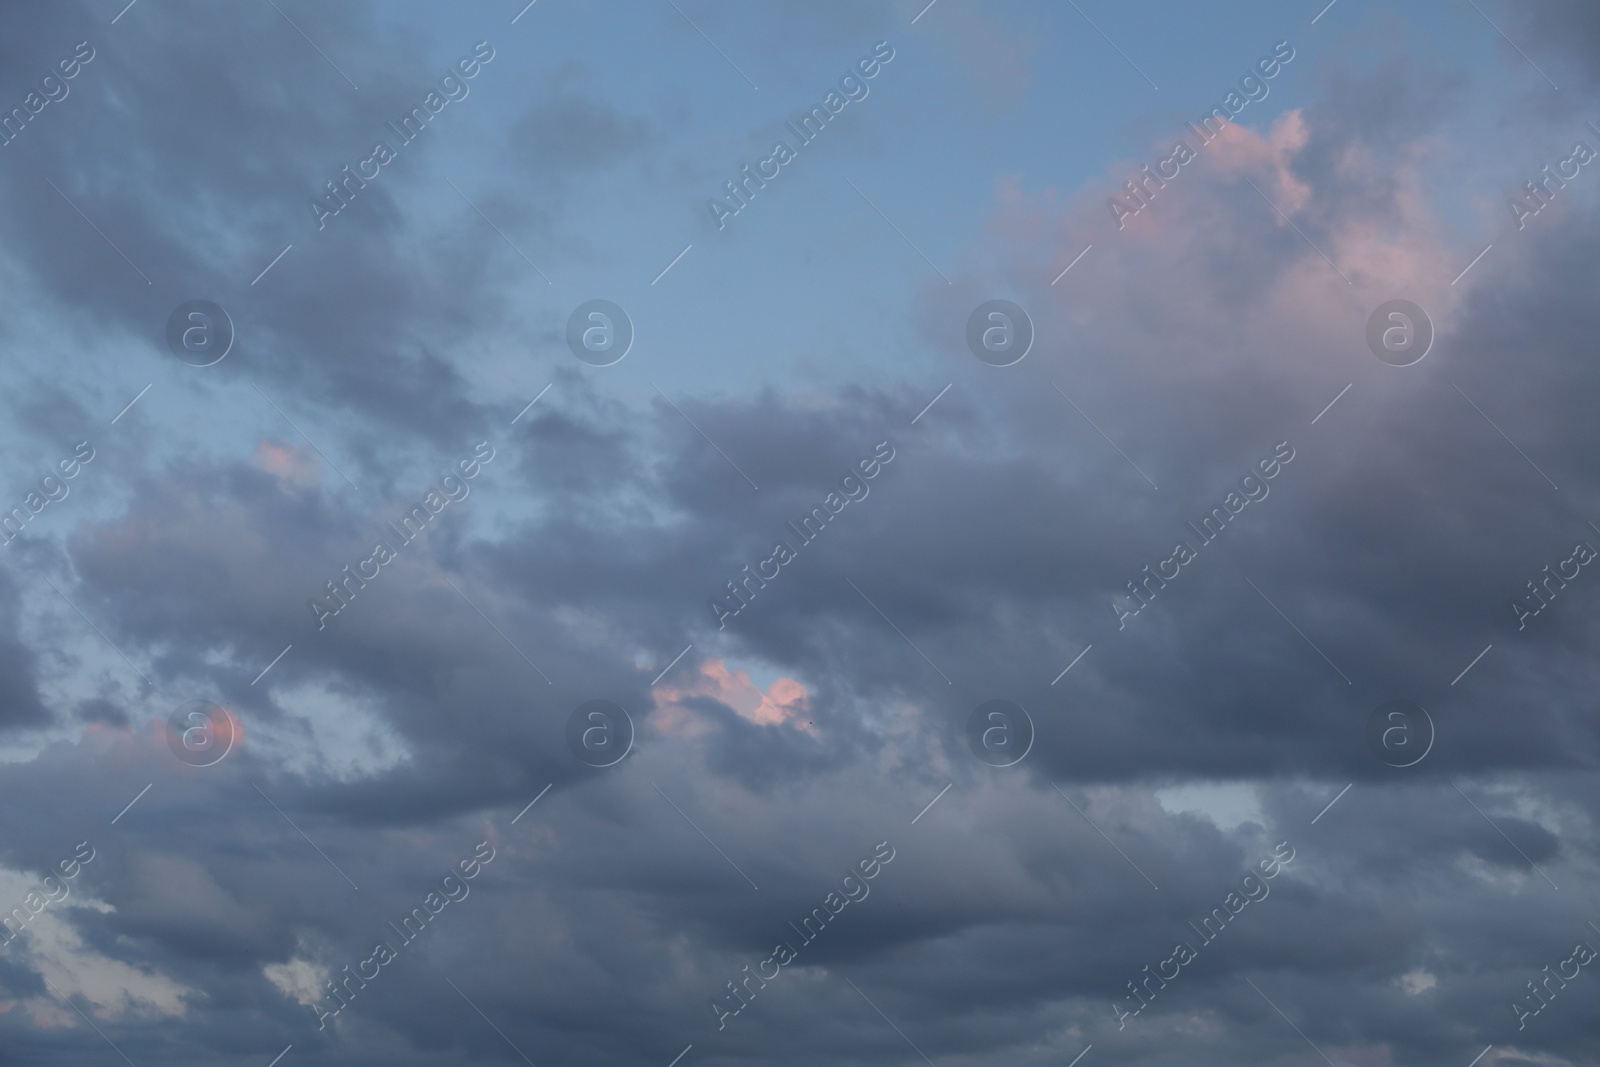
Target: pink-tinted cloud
{"points": [[291, 466], [1200, 235], [784, 701]]}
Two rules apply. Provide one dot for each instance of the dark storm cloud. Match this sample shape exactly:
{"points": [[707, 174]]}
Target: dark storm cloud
{"points": [[1566, 28], [356, 313], [20, 703], [1214, 716]]}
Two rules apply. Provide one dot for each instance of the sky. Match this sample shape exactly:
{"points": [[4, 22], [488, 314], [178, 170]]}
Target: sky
{"points": [[1024, 577]]}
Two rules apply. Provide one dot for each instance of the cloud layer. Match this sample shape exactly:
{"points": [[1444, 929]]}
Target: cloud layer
{"points": [[1187, 712]]}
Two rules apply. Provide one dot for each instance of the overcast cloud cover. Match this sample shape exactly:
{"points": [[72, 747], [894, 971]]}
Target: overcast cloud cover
{"points": [[1210, 837]]}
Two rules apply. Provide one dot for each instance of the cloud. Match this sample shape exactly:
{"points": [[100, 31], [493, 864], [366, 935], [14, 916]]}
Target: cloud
{"points": [[59, 954], [289, 465], [784, 701]]}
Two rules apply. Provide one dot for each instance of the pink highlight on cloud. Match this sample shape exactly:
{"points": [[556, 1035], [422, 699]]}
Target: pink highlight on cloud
{"points": [[1242, 149], [786, 700], [1403, 251], [1207, 214], [289, 465]]}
